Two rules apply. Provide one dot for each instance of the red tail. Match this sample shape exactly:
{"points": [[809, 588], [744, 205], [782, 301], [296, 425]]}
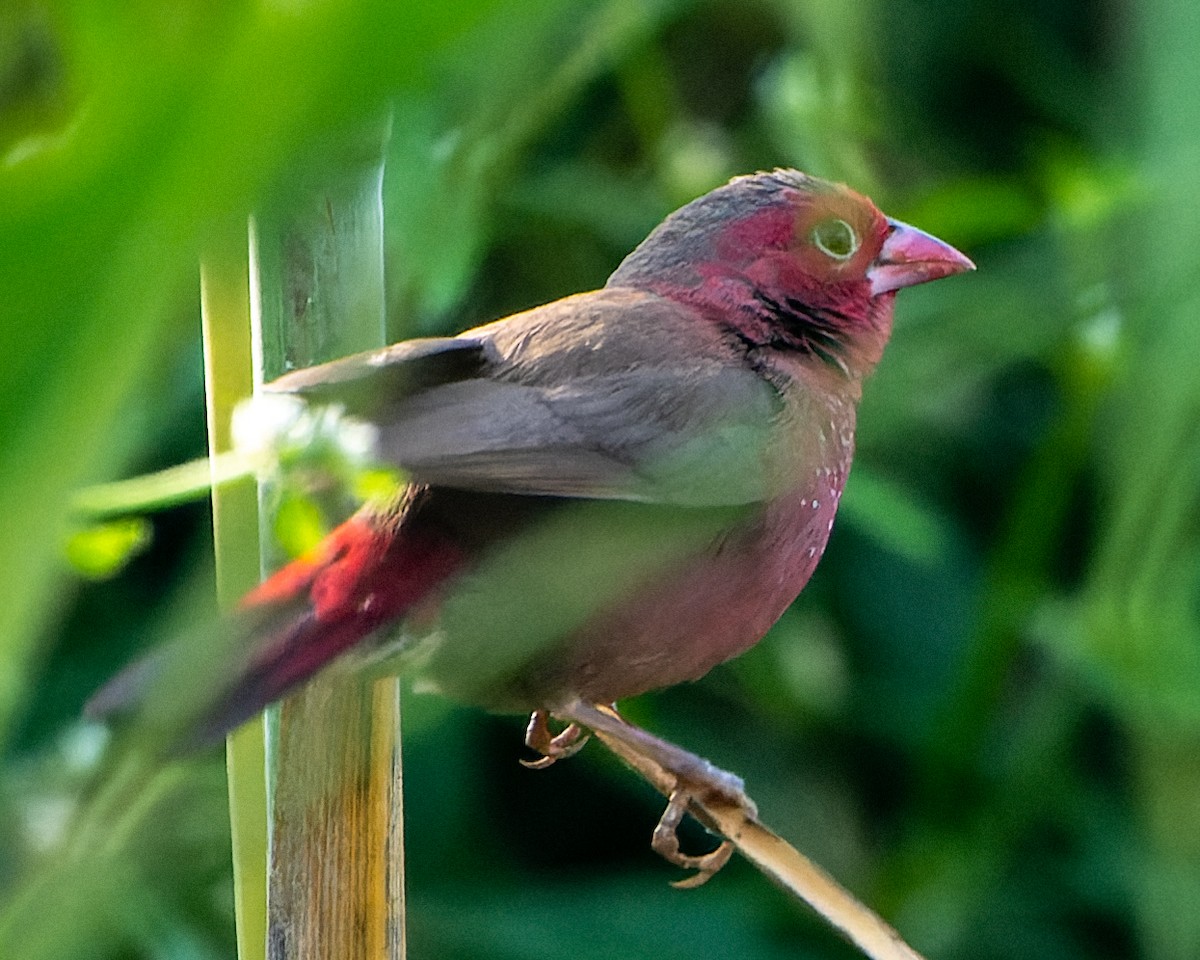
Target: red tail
{"points": [[367, 573]]}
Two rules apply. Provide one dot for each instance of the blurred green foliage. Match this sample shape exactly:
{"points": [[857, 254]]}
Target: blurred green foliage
{"points": [[984, 713]]}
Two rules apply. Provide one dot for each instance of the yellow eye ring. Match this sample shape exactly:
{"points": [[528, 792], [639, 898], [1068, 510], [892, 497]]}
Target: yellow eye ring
{"points": [[836, 239]]}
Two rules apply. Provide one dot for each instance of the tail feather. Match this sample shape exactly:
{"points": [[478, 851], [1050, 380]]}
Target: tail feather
{"points": [[368, 573]]}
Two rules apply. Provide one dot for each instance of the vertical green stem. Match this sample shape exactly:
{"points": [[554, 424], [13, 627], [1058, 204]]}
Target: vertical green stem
{"points": [[336, 860], [229, 378]]}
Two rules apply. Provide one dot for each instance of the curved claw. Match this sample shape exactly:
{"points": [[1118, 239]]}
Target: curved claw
{"points": [[666, 844], [686, 776], [552, 747]]}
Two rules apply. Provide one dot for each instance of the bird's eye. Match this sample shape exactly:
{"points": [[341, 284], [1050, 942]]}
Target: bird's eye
{"points": [[835, 238]]}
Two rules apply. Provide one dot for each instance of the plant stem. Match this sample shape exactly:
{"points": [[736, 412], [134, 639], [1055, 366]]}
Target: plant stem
{"points": [[336, 860], [228, 374]]}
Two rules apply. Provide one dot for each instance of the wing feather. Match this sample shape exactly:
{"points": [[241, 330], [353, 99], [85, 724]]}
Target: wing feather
{"points": [[613, 395]]}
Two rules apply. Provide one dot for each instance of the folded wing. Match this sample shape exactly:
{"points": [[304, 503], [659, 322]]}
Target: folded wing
{"points": [[586, 397]]}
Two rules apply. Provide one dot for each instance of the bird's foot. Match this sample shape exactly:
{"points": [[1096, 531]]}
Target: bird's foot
{"points": [[690, 782], [552, 746], [665, 843]]}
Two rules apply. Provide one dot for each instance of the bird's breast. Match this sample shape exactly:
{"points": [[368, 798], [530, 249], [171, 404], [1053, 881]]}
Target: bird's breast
{"points": [[649, 613], [716, 604]]}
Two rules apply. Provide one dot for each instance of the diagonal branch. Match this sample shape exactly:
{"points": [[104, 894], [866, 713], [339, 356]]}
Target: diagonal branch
{"points": [[715, 797]]}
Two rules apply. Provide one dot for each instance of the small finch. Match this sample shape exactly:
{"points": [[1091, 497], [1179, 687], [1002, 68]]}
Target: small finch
{"points": [[607, 494]]}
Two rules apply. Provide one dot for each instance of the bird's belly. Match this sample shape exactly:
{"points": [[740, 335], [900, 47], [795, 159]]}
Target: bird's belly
{"points": [[711, 607], [633, 598]]}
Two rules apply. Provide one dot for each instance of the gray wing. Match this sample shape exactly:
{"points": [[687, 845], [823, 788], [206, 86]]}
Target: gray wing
{"points": [[364, 383], [598, 396]]}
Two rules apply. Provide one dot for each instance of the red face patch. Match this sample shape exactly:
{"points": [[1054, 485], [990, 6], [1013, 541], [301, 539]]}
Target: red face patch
{"points": [[836, 234]]}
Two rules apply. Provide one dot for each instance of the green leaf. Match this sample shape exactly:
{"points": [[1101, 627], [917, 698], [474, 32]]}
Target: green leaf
{"points": [[102, 550], [894, 517], [299, 525]]}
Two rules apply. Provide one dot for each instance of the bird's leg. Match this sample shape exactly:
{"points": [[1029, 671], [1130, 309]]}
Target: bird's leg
{"points": [[689, 781], [551, 746]]}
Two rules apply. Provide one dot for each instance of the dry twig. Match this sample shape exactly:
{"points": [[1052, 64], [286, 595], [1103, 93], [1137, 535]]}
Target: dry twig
{"points": [[716, 798]]}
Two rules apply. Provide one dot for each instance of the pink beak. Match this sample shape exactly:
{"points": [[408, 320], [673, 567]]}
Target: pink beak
{"points": [[910, 256]]}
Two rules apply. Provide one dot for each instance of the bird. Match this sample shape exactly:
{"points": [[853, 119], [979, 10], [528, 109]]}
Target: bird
{"points": [[605, 495]]}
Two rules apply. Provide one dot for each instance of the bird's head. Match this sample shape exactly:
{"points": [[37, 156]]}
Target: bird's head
{"points": [[790, 262]]}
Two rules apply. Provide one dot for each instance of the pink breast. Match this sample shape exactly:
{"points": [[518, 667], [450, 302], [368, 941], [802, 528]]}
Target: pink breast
{"points": [[718, 605]]}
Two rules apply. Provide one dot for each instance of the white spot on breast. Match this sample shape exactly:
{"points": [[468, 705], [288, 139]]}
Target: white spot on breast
{"points": [[816, 504]]}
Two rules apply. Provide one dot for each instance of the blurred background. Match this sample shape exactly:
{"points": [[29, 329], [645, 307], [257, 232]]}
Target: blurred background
{"points": [[983, 715]]}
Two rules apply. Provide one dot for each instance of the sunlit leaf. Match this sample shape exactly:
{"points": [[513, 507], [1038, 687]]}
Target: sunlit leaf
{"points": [[299, 524], [102, 550]]}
